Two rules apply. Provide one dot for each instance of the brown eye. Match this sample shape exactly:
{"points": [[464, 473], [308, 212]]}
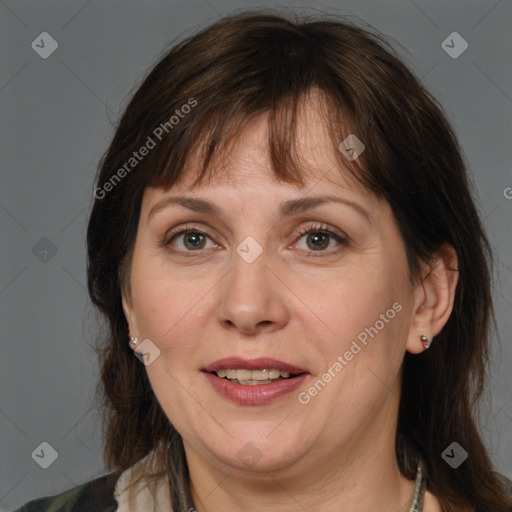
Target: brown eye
{"points": [[318, 239], [190, 239], [194, 240]]}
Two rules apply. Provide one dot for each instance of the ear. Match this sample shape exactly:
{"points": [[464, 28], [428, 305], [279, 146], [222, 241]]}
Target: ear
{"points": [[434, 297], [128, 310]]}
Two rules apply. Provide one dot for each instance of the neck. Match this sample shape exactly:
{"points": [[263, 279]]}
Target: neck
{"points": [[360, 476]]}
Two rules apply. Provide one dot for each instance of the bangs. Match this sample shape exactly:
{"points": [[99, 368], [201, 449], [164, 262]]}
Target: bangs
{"points": [[210, 138]]}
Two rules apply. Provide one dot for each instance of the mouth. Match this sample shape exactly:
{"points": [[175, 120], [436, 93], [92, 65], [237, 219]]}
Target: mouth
{"points": [[254, 372], [254, 377]]}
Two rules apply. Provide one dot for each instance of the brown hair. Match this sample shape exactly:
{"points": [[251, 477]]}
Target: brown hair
{"points": [[252, 63]]}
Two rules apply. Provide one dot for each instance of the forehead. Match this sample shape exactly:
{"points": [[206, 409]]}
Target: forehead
{"points": [[246, 161]]}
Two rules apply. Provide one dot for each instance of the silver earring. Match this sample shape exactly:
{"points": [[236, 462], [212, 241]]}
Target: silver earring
{"points": [[425, 341], [133, 342]]}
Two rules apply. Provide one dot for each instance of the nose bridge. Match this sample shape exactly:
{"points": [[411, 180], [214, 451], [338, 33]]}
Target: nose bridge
{"points": [[249, 270], [249, 296]]}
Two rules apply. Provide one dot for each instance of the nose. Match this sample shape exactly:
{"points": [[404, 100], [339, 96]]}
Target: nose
{"points": [[253, 298]]}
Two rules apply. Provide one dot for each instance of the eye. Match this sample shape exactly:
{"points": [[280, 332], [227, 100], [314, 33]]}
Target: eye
{"points": [[318, 238], [193, 239]]}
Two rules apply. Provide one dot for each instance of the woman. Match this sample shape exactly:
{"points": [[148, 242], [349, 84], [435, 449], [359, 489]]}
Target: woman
{"points": [[284, 237]]}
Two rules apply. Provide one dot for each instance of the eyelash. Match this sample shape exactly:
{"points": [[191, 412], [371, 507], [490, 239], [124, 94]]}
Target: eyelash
{"points": [[317, 229]]}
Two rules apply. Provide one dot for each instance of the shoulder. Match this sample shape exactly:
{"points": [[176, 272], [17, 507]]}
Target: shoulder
{"points": [[97, 495]]}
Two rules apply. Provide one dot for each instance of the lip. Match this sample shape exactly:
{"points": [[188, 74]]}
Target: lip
{"points": [[260, 393], [239, 363], [254, 395]]}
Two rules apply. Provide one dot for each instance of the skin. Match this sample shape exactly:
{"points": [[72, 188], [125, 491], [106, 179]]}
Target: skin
{"points": [[337, 451]]}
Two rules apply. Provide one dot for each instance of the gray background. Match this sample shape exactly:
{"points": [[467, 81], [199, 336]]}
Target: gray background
{"points": [[55, 122]]}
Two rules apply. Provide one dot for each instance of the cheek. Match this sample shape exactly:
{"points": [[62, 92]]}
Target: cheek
{"points": [[360, 305], [166, 308], [368, 317], [366, 311], [166, 312]]}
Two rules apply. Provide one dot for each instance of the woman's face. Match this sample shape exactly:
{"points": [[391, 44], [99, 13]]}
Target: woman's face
{"points": [[335, 304]]}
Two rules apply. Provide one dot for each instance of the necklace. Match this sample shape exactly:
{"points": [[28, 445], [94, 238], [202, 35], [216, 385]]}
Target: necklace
{"points": [[419, 487]]}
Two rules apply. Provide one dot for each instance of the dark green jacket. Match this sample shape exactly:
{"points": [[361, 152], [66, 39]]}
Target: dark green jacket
{"points": [[93, 496]]}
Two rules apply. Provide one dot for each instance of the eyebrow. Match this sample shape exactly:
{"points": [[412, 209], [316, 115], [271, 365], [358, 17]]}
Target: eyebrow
{"points": [[286, 208]]}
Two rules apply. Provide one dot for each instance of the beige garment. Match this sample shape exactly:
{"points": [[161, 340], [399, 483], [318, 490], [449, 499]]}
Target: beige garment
{"points": [[140, 499]]}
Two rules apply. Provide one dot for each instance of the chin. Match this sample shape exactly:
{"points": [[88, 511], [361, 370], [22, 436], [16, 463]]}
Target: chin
{"points": [[246, 452]]}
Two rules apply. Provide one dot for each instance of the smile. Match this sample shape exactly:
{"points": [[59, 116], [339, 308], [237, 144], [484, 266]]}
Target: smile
{"points": [[253, 381], [253, 377]]}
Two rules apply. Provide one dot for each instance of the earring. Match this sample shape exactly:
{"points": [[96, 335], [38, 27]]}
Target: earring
{"points": [[133, 342], [426, 342]]}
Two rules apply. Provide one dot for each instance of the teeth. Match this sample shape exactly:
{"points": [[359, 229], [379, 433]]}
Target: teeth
{"points": [[252, 382], [253, 375]]}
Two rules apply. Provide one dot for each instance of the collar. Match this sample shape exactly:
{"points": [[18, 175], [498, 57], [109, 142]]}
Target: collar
{"points": [[140, 498]]}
